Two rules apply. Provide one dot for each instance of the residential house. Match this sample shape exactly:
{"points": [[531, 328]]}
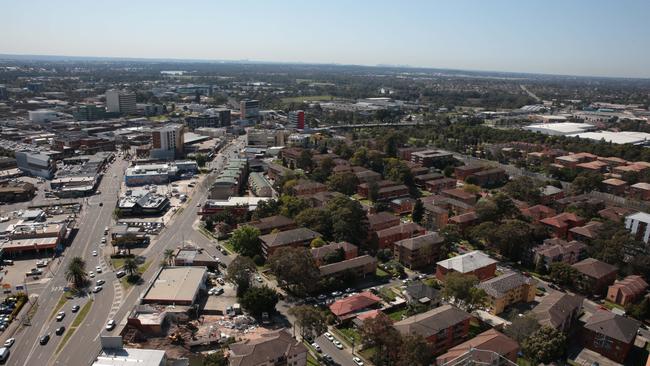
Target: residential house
{"points": [[267, 224], [538, 212], [419, 251], [464, 221], [595, 276], [420, 293], [474, 263], [439, 185], [585, 233], [592, 166], [460, 195], [558, 250], [559, 310], [615, 213], [381, 220], [320, 199], [489, 177], [350, 306], [402, 206], [465, 171], [610, 335], [308, 188], [300, 237], [366, 175], [442, 327], [349, 251], [638, 225], [360, 267], [628, 290], [508, 289], [560, 224], [614, 186], [435, 217], [387, 237], [420, 180], [273, 348], [549, 194], [290, 156], [572, 160], [488, 348], [640, 191]]}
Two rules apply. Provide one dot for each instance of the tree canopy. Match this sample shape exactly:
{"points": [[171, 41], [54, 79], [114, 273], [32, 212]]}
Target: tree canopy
{"points": [[245, 241]]}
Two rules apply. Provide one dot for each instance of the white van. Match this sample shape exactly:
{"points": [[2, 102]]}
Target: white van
{"points": [[4, 354]]}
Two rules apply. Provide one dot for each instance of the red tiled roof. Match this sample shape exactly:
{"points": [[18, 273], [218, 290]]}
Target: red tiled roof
{"points": [[354, 303]]}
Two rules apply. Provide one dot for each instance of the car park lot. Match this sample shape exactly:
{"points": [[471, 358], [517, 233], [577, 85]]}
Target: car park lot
{"points": [[15, 274]]}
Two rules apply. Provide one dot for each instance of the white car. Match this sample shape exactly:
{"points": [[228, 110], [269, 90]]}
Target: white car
{"points": [[357, 360], [110, 325], [97, 289], [258, 279], [100, 282], [99, 269], [329, 337], [10, 342], [94, 253], [337, 344], [316, 347], [91, 274], [60, 316], [103, 240]]}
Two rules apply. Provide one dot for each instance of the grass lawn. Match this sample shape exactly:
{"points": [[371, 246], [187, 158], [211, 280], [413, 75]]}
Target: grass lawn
{"points": [[127, 281], [311, 361], [523, 362], [59, 305], [81, 315], [382, 274], [387, 293], [117, 262], [367, 353], [397, 315], [312, 98], [351, 334], [610, 305], [431, 282]]}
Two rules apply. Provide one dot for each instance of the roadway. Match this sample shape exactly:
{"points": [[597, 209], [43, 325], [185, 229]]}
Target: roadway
{"points": [[342, 357], [91, 223], [84, 345]]}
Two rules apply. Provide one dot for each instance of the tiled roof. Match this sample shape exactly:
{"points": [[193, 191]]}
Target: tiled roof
{"points": [[499, 286], [631, 285], [594, 268], [270, 222], [421, 241], [467, 262], [354, 303], [490, 340], [556, 307], [612, 325], [267, 348], [561, 220], [381, 218], [432, 321], [330, 248], [409, 227], [289, 237], [362, 260], [589, 230]]}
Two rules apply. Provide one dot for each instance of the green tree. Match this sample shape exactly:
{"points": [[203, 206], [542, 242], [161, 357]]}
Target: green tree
{"points": [[414, 351], [239, 273], [169, 256], [324, 170], [639, 311], [524, 189], [317, 243], [334, 257], [266, 208], [312, 321], [379, 332], [586, 182], [462, 288], [291, 206], [562, 273], [349, 221], [545, 345], [345, 183], [131, 267], [295, 269], [201, 159], [305, 161], [397, 170], [418, 212], [522, 327], [76, 272], [258, 300], [316, 219], [217, 358], [245, 241]]}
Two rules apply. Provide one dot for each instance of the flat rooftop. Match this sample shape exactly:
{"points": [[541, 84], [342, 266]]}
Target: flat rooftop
{"points": [[176, 284]]}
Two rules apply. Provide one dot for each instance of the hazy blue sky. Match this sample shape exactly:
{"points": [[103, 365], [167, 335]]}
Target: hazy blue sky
{"points": [[581, 37]]}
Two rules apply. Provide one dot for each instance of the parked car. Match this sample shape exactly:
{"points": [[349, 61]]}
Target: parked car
{"points": [[337, 344], [96, 289], [329, 336], [316, 347], [120, 274], [100, 282], [10, 342], [357, 360]]}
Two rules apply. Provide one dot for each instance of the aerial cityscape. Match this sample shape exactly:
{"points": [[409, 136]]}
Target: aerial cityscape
{"points": [[191, 198]]}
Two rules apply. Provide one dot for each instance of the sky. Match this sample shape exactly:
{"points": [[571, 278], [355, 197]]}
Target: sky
{"points": [[568, 37]]}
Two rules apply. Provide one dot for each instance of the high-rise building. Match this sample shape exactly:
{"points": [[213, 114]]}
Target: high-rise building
{"points": [[249, 108], [120, 102], [213, 117], [36, 163], [3, 93], [296, 119], [167, 142], [89, 112]]}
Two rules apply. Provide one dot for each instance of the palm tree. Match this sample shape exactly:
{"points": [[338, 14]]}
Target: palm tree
{"points": [[76, 272], [169, 256], [131, 266]]}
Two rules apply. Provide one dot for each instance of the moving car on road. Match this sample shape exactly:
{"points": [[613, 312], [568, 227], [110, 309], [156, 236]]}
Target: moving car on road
{"points": [[44, 339], [60, 316], [59, 330], [75, 308], [110, 325]]}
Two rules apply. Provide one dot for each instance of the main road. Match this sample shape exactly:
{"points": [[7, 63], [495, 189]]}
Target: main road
{"points": [[84, 345], [91, 222]]}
